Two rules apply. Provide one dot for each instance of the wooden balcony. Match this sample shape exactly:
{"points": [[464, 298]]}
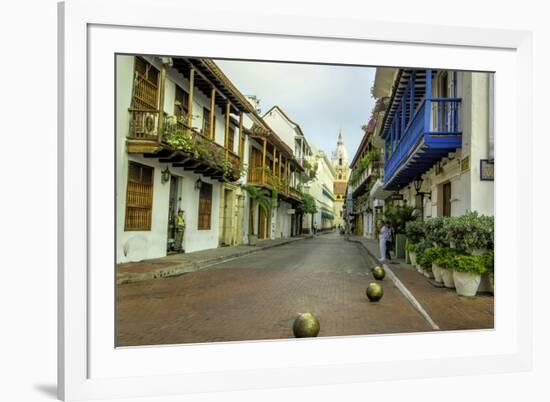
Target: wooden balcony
{"points": [[261, 177], [183, 146]]}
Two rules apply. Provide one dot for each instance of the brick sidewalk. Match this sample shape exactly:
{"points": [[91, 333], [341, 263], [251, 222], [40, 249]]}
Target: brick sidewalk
{"points": [[178, 264], [445, 307]]}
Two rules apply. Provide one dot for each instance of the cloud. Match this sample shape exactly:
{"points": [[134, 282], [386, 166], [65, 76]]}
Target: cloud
{"points": [[321, 98]]}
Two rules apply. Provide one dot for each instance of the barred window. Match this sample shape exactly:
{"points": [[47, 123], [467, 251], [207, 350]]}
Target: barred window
{"points": [[139, 197], [205, 206]]}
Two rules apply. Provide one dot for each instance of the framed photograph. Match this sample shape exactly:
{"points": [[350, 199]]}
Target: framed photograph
{"points": [[242, 198]]}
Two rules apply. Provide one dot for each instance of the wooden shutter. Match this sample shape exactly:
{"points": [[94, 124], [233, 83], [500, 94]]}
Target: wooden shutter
{"points": [[205, 206], [139, 197], [231, 139], [182, 98]]}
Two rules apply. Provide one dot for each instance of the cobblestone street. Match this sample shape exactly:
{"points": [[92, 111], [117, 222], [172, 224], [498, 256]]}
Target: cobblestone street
{"points": [[258, 296]]}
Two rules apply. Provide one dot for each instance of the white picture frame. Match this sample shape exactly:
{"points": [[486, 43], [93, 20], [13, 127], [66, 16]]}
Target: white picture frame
{"points": [[92, 31]]}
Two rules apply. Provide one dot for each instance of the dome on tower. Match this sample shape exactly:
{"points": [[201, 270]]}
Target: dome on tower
{"points": [[340, 154]]}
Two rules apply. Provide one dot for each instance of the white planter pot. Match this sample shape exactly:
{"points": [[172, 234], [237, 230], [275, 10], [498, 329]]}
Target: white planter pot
{"points": [[428, 273], [447, 276], [437, 273], [412, 256], [466, 283], [419, 268], [252, 240]]}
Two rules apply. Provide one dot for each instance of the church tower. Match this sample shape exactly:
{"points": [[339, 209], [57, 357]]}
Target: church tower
{"points": [[340, 164]]}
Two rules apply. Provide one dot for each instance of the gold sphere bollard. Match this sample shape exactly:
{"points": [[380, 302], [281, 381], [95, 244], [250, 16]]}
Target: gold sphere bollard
{"points": [[379, 273], [306, 325], [375, 291]]}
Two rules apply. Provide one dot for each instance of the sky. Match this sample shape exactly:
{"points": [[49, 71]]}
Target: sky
{"points": [[321, 99]]}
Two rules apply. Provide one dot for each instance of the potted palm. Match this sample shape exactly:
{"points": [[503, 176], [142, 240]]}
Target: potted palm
{"points": [[262, 199], [467, 274]]}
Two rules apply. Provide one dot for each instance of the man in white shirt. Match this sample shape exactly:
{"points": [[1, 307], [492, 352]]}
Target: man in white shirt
{"points": [[384, 236]]}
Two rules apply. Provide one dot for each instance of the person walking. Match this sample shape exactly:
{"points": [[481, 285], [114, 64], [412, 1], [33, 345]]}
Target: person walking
{"points": [[384, 237], [180, 229]]}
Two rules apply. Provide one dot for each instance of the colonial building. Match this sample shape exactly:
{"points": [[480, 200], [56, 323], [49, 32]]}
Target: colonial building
{"points": [[321, 190], [184, 133], [340, 165], [273, 167], [366, 168], [438, 141]]}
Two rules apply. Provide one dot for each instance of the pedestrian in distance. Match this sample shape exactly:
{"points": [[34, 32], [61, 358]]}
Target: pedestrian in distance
{"points": [[390, 243], [384, 237], [180, 229]]}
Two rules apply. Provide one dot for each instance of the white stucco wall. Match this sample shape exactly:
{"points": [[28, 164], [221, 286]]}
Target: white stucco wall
{"points": [[139, 245]]}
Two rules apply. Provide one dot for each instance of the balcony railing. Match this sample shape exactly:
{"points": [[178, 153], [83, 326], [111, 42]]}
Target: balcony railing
{"points": [[373, 170], [435, 127], [144, 125], [257, 175]]}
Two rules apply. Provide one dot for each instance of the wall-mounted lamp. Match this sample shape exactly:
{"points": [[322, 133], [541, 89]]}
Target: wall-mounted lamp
{"points": [[198, 184], [165, 175], [418, 185]]}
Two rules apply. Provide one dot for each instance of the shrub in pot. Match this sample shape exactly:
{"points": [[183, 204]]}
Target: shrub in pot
{"points": [[446, 262], [419, 249], [471, 232], [411, 249], [467, 273], [429, 255], [489, 262], [432, 254], [436, 231]]}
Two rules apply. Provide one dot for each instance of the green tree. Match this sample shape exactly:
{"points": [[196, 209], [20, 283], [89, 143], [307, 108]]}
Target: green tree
{"points": [[259, 197], [308, 206]]}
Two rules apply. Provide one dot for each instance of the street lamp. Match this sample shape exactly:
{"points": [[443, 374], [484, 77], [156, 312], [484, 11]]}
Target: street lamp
{"points": [[417, 186], [198, 184], [165, 175]]}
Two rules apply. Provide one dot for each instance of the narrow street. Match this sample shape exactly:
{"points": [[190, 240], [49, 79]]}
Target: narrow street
{"points": [[257, 296]]}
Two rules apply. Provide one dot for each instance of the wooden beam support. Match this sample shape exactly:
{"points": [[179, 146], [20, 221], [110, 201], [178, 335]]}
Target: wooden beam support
{"points": [[273, 172], [162, 80], [212, 111], [190, 99], [263, 160], [227, 112], [241, 137]]}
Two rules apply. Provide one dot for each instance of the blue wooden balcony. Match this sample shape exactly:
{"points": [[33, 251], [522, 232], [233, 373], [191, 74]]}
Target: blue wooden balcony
{"points": [[419, 129]]}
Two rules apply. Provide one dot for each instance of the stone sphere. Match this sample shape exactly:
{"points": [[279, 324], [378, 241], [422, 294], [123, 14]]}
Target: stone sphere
{"points": [[306, 325], [379, 273], [375, 291]]}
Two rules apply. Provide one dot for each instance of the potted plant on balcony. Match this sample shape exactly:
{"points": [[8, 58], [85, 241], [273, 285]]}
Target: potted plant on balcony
{"points": [[467, 274], [262, 199]]}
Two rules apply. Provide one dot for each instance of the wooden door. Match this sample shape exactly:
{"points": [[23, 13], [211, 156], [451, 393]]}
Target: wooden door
{"points": [[261, 224]]}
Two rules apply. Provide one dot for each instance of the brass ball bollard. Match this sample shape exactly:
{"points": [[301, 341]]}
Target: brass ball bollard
{"points": [[306, 325], [375, 291], [379, 273]]}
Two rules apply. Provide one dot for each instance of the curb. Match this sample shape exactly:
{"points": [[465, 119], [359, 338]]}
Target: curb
{"points": [[187, 267], [403, 289]]}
